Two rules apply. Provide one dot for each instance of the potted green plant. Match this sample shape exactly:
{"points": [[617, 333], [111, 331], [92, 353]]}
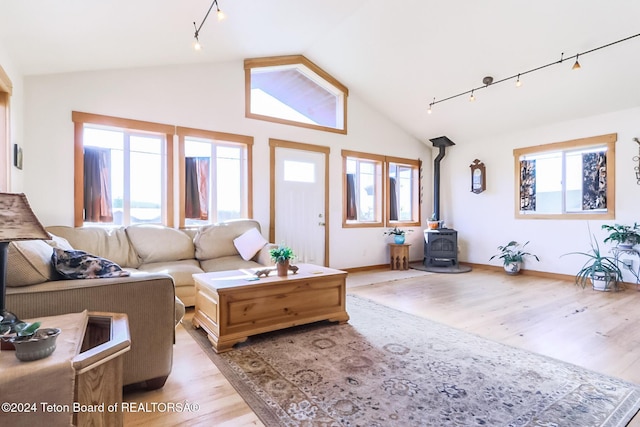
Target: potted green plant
{"points": [[282, 256], [31, 342], [512, 255], [432, 222], [602, 271], [626, 236], [398, 234]]}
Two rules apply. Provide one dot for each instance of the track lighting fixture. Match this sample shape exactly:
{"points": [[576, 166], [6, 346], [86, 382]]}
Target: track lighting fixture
{"points": [[221, 16], [488, 81]]}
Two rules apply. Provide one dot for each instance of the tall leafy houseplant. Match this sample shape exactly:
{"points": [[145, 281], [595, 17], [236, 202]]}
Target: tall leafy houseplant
{"points": [[512, 255], [282, 255], [602, 271]]}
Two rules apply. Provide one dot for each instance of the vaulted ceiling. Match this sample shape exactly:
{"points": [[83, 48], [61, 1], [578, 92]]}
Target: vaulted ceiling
{"points": [[395, 56]]}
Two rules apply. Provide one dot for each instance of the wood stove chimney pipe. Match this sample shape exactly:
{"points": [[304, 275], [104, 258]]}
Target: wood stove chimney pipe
{"points": [[441, 142]]}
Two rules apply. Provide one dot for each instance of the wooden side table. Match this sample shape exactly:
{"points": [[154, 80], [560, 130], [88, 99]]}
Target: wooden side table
{"points": [[82, 378], [399, 256]]}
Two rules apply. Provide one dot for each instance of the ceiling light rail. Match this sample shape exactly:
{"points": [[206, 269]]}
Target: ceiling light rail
{"points": [[221, 16], [489, 80]]}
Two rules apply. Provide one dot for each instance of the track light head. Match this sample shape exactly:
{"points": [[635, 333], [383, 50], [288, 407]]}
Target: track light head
{"points": [[576, 66]]}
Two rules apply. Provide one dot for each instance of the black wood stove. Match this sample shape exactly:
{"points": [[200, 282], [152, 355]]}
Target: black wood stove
{"points": [[440, 245]]}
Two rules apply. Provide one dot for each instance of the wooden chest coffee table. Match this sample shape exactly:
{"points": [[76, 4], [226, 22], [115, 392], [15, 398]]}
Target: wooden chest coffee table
{"points": [[232, 305]]}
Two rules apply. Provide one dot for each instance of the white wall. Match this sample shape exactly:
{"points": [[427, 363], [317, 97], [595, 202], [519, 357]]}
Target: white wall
{"points": [[486, 220], [207, 97]]}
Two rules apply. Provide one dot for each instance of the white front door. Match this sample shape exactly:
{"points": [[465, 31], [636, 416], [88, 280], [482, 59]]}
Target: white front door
{"points": [[299, 205]]}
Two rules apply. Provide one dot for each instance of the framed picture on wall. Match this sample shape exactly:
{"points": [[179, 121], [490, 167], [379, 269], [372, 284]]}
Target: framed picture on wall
{"points": [[478, 176], [17, 156]]}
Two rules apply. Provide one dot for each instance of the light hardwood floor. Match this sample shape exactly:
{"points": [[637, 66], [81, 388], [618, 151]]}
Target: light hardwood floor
{"points": [[592, 329]]}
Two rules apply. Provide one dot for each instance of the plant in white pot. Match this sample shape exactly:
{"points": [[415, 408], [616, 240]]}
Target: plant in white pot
{"points": [[601, 271], [625, 236], [512, 255]]}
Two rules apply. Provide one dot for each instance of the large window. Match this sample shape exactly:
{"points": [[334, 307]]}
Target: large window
{"points": [[403, 181], [380, 190], [571, 179], [363, 189], [215, 179], [293, 90], [122, 170]]}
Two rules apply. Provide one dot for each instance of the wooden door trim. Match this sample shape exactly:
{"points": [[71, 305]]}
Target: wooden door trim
{"points": [[278, 143]]}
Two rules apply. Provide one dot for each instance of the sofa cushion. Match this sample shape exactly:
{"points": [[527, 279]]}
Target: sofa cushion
{"points": [[249, 243], [29, 263], [157, 243], [216, 240], [233, 262], [82, 265], [109, 243], [180, 271]]}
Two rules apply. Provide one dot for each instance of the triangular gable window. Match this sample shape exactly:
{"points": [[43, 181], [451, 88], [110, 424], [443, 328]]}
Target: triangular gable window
{"points": [[292, 90]]}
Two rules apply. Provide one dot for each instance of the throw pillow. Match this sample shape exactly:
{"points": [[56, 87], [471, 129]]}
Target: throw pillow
{"points": [[59, 242], [249, 243], [82, 265], [29, 263]]}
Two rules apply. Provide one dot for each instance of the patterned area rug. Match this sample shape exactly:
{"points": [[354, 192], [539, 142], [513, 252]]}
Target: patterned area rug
{"points": [[389, 368]]}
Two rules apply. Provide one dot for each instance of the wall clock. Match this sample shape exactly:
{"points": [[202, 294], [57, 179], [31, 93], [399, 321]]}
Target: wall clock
{"points": [[478, 177]]}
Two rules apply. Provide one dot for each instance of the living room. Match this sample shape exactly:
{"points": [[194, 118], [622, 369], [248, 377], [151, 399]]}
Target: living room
{"points": [[430, 51]]}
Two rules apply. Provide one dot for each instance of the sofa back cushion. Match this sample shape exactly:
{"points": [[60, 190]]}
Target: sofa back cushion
{"points": [[216, 240], [157, 243], [29, 263], [109, 243]]}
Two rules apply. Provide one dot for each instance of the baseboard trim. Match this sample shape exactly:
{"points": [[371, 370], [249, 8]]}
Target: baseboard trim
{"points": [[524, 272]]}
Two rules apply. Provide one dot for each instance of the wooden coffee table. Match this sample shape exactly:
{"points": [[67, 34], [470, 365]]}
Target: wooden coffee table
{"points": [[232, 305]]}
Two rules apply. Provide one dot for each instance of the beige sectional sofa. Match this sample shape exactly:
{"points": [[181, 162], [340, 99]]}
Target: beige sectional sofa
{"points": [[178, 253], [161, 261]]}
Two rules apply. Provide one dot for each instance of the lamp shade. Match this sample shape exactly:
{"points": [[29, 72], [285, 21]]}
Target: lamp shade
{"points": [[17, 220]]}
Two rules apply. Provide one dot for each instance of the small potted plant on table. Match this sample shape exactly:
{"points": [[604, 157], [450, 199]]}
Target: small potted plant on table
{"points": [[282, 255], [398, 234], [512, 255], [31, 342]]}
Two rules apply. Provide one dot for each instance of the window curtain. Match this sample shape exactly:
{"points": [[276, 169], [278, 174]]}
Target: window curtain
{"points": [[197, 188], [97, 185], [393, 200], [594, 180], [352, 210], [527, 185]]}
